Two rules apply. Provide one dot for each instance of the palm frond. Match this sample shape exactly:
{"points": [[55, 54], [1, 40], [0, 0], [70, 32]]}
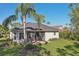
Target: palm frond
{"points": [[18, 9], [25, 9], [39, 19], [8, 20], [31, 12]]}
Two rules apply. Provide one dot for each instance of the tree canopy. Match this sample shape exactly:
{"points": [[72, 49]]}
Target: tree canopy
{"points": [[74, 18], [3, 32], [39, 19], [8, 21]]}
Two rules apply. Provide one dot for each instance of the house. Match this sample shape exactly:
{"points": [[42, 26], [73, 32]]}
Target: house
{"points": [[60, 27], [33, 33]]}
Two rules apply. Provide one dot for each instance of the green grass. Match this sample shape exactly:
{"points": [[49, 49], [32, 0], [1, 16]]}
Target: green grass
{"points": [[9, 50], [62, 47]]}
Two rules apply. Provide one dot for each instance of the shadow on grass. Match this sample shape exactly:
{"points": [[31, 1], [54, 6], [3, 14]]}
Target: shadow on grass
{"points": [[28, 50], [34, 50], [70, 50]]}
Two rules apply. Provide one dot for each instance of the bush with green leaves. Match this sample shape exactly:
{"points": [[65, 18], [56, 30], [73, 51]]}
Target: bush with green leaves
{"points": [[74, 20], [4, 33], [74, 36], [30, 46], [65, 34]]}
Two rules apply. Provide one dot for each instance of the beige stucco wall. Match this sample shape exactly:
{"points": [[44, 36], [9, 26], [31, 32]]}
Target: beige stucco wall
{"points": [[12, 35], [50, 35]]}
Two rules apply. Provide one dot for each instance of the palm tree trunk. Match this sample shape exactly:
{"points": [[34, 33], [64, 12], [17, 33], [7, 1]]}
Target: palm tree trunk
{"points": [[24, 30], [39, 26]]}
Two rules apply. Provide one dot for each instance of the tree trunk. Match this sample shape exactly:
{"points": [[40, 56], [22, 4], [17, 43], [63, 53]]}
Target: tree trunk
{"points": [[24, 30], [39, 26]]}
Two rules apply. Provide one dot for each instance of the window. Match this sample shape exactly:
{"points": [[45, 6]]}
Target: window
{"points": [[15, 36], [54, 33], [21, 36]]}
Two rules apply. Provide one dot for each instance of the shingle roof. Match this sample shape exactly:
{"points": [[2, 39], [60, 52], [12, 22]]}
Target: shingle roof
{"points": [[35, 26]]}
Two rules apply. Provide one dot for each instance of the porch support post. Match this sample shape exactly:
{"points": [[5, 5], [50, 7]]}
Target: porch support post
{"points": [[17, 37]]}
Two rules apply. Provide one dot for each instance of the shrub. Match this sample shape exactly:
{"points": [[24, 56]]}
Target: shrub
{"points": [[52, 39], [74, 36], [15, 43], [46, 42], [48, 53], [30, 46], [65, 34], [3, 32], [40, 44]]}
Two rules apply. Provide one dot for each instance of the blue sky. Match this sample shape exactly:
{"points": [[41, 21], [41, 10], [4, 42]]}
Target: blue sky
{"points": [[56, 14]]}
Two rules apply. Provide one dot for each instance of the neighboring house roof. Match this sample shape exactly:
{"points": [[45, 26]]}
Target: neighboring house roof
{"points": [[60, 27], [34, 27]]}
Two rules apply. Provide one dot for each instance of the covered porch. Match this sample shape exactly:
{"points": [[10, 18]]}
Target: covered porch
{"points": [[31, 36]]}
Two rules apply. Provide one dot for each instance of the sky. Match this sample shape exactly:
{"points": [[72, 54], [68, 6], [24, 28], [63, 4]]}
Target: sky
{"points": [[55, 13]]}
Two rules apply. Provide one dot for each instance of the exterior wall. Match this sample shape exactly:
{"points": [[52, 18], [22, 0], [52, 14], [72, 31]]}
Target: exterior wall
{"points": [[50, 35], [12, 35]]}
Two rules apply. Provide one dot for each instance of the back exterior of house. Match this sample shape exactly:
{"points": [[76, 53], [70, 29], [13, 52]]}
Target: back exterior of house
{"points": [[34, 34]]}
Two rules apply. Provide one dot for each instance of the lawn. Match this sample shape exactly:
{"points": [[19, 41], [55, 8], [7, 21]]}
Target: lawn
{"points": [[60, 47]]}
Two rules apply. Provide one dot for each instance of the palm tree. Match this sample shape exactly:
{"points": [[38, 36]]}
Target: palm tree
{"points": [[39, 19], [48, 23], [23, 10], [8, 21]]}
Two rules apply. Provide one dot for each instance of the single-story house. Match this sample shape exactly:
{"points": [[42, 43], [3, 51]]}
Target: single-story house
{"points": [[33, 33], [60, 27]]}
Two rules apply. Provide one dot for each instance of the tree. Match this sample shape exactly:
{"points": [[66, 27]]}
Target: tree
{"points": [[8, 21], [48, 23], [3, 32], [23, 10], [65, 34], [6, 25], [39, 19], [74, 15]]}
